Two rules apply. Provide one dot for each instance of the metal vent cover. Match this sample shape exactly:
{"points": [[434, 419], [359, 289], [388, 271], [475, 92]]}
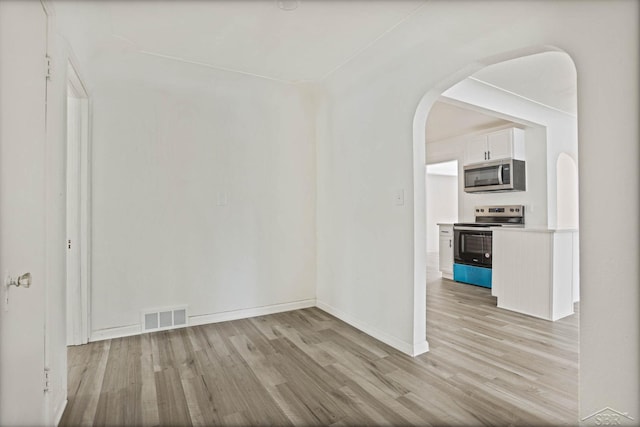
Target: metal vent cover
{"points": [[164, 318]]}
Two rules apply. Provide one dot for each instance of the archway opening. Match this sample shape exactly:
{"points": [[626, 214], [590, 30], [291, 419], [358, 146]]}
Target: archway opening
{"points": [[472, 90]]}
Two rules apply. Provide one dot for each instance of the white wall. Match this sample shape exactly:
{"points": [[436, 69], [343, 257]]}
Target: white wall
{"points": [[442, 205], [567, 192], [367, 259], [365, 268], [567, 197], [203, 192]]}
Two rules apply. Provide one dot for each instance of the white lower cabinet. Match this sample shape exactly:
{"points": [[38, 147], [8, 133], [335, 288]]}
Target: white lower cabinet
{"points": [[533, 271], [446, 250]]}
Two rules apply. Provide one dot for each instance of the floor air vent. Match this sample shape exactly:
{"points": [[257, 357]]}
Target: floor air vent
{"points": [[163, 319]]}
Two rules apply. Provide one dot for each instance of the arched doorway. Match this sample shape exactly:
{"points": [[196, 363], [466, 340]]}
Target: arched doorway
{"points": [[419, 157], [544, 206]]}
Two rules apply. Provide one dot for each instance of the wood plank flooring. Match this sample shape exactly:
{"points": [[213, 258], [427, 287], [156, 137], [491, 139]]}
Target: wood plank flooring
{"points": [[487, 366]]}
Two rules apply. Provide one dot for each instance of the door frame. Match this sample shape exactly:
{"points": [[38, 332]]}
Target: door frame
{"points": [[79, 294]]}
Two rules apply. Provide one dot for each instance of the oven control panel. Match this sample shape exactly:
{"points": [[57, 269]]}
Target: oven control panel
{"points": [[497, 211]]}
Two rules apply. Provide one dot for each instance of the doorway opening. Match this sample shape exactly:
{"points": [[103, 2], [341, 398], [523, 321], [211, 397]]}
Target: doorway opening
{"points": [[535, 90], [77, 224], [539, 100], [442, 208]]}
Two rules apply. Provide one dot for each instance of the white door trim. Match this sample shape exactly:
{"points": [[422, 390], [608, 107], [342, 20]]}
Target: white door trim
{"points": [[78, 297]]}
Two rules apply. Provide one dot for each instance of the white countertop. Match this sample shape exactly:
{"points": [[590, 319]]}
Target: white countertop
{"points": [[535, 229], [445, 224]]}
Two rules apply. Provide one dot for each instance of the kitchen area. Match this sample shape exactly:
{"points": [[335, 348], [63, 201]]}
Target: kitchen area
{"points": [[514, 230], [529, 270]]}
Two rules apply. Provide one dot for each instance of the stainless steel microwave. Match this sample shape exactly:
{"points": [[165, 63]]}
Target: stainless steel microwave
{"points": [[497, 175]]}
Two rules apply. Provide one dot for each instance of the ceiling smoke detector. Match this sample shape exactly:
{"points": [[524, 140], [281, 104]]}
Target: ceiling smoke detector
{"points": [[288, 4]]}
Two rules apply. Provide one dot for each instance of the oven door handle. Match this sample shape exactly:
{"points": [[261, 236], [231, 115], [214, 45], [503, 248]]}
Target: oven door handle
{"points": [[500, 175], [484, 230]]}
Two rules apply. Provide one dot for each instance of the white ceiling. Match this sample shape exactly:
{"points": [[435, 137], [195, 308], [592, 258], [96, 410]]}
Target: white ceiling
{"points": [[249, 36], [547, 78], [309, 43], [449, 121]]}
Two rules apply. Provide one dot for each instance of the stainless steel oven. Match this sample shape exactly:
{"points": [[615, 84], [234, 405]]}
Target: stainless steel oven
{"points": [[473, 242]]}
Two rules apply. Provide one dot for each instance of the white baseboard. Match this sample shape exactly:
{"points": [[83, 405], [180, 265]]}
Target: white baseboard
{"points": [[118, 332], [130, 330], [60, 412], [250, 312], [405, 347], [420, 348]]}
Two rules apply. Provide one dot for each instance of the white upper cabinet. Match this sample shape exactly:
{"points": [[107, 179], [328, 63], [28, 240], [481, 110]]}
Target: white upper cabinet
{"points": [[476, 150], [502, 144]]}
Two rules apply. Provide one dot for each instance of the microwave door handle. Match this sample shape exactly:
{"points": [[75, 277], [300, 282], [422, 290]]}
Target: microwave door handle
{"points": [[500, 175]]}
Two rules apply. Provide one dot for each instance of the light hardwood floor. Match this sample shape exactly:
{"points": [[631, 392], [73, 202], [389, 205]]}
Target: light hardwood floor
{"points": [[486, 366]]}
